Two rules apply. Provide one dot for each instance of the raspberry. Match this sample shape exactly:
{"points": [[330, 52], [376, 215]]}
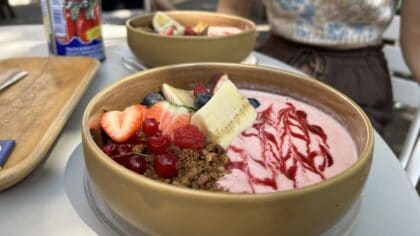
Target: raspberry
{"points": [[188, 136], [199, 88]]}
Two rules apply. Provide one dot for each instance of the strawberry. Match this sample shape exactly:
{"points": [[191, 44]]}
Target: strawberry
{"points": [[189, 31], [169, 116], [121, 125], [168, 32]]}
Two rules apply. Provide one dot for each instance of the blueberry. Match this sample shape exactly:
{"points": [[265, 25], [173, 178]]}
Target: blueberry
{"points": [[254, 102], [152, 98], [201, 100]]}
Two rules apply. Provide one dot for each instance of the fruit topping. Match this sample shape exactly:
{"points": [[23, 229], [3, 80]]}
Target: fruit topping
{"points": [[165, 165], [121, 159], [162, 22], [152, 98], [168, 31], [226, 115], [254, 102], [121, 125], [201, 28], [201, 100], [123, 149], [178, 96], [136, 163], [110, 149], [150, 126], [159, 143], [189, 31], [137, 138], [223, 77], [199, 89], [169, 116], [189, 136]]}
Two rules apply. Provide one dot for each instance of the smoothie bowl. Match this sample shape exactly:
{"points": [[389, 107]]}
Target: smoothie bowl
{"points": [[190, 36], [248, 151]]}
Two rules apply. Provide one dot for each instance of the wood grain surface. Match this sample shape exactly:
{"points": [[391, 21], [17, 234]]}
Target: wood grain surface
{"points": [[34, 110]]}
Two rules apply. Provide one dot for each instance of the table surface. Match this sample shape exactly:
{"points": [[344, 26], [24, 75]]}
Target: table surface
{"points": [[40, 205]]}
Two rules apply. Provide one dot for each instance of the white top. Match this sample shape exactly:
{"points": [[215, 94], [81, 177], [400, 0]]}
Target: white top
{"points": [[45, 202], [333, 23]]}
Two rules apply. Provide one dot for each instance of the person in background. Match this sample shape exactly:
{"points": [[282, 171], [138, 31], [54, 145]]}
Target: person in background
{"points": [[410, 35], [110, 5], [336, 42], [162, 5], [155, 5]]}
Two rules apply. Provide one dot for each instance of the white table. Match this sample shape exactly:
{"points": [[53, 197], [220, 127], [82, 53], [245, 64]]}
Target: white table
{"points": [[40, 205]]}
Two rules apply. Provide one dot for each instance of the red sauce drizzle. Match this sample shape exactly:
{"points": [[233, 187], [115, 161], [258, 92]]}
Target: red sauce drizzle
{"points": [[279, 147]]}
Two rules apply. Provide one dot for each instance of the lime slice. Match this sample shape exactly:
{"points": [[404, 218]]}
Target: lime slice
{"points": [[161, 22]]}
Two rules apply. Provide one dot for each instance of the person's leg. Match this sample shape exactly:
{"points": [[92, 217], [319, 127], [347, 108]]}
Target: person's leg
{"points": [[361, 74], [9, 8]]}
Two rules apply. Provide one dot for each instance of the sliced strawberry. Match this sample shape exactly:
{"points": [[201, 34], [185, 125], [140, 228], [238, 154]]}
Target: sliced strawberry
{"points": [[169, 116], [121, 125], [168, 32]]}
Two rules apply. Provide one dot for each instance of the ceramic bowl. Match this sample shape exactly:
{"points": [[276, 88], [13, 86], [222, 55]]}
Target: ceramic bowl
{"points": [[162, 209], [155, 50]]}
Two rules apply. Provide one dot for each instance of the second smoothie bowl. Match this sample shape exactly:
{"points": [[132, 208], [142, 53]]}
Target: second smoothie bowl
{"points": [[226, 149], [196, 36]]}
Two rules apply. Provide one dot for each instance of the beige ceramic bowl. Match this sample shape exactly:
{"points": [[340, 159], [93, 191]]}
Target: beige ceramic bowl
{"points": [[155, 50], [161, 209]]}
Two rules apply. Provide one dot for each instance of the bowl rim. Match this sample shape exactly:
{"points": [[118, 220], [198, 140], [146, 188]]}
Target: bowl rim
{"points": [[364, 158], [252, 29]]}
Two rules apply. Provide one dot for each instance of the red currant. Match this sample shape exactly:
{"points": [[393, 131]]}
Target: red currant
{"points": [[189, 31], [110, 149], [136, 163], [121, 159], [200, 88], [136, 138], [150, 126], [123, 149], [165, 165], [158, 143]]}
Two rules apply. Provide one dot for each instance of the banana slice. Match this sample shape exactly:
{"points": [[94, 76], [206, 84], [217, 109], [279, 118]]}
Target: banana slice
{"points": [[225, 115], [178, 96], [162, 21], [200, 28], [219, 82]]}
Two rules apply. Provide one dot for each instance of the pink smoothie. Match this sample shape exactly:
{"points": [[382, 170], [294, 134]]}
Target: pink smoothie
{"points": [[215, 31], [290, 145]]}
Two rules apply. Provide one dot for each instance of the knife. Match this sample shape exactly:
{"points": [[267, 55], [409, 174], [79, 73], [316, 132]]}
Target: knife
{"points": [[6, 147], [7, 78]]}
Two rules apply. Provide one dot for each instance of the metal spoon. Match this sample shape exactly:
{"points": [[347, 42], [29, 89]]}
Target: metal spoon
{"points": [[132, 64]]}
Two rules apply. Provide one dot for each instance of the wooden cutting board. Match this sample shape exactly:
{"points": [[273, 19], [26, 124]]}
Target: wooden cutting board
{"points": [[34, 110]]}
